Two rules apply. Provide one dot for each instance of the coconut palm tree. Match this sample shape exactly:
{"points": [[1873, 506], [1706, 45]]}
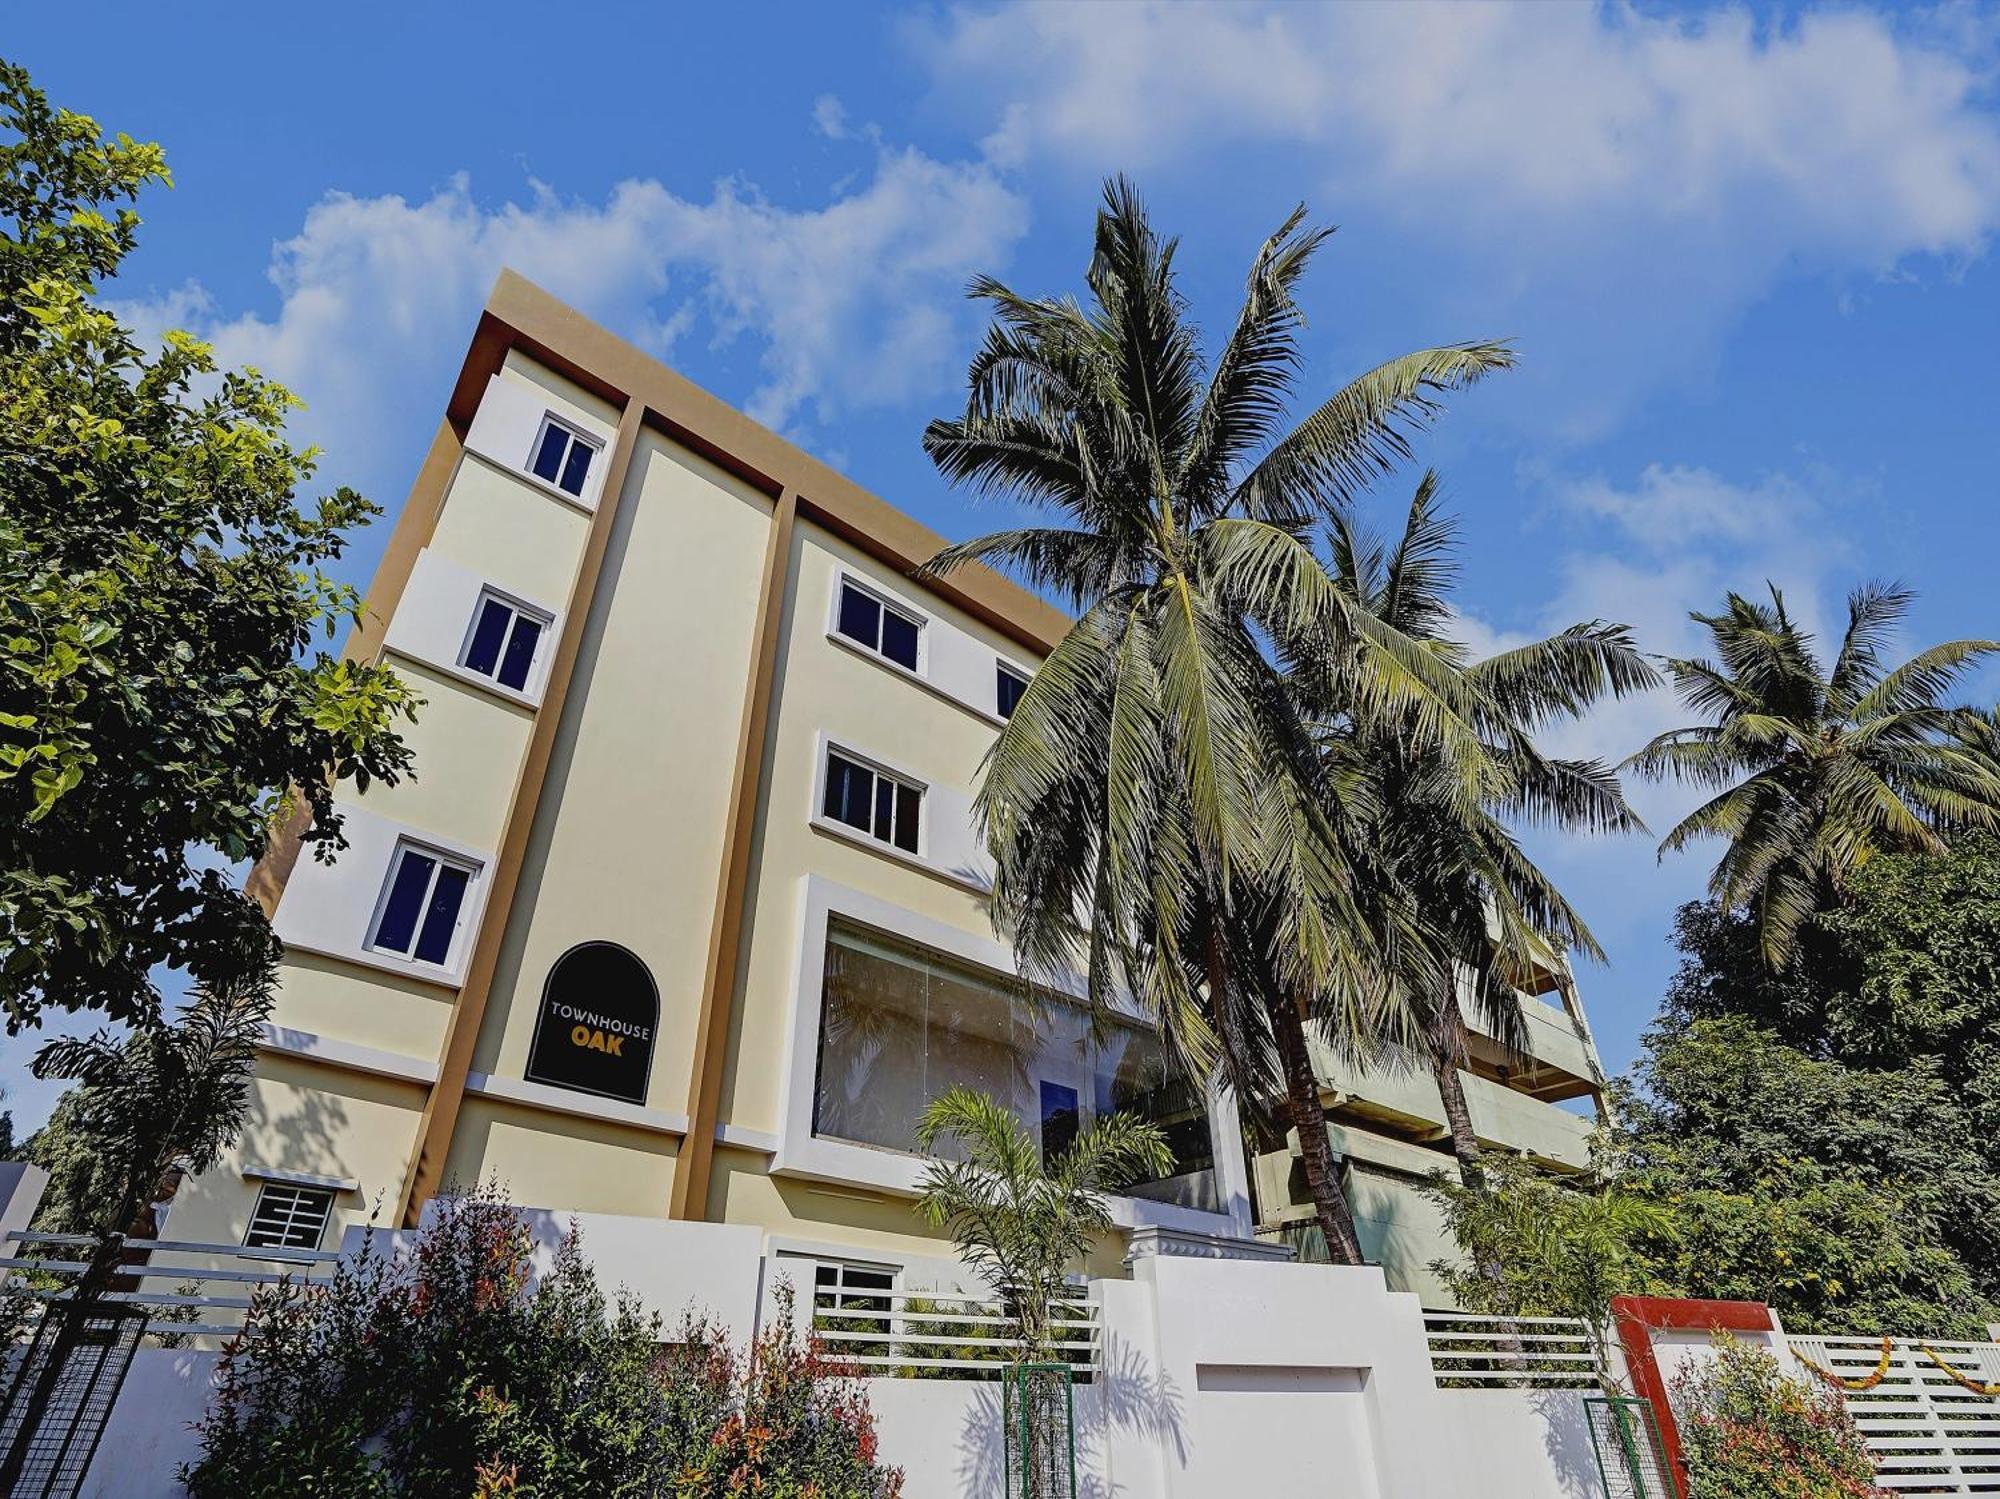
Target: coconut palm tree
{"points": [[1465, 916], [1155, 768], [1815, 770]]}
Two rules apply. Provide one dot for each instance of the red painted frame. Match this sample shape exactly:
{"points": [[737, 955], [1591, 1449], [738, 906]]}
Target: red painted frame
{"points": [[1638, 1317]]}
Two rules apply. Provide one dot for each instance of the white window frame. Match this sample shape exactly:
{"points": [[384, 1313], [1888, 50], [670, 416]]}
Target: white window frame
{"points": [[576, 435], [844, 580], [299, 1194], [530, 688], [828, 748], [466, 905]]}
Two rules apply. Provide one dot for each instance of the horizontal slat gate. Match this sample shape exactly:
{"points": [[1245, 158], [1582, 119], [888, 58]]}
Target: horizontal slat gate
{"points": [[1928, 1433]]}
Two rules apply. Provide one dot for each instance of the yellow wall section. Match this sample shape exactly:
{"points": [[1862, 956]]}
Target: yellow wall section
{"points": [[314, 1119], [540, 1159], [512, 532], [364, 1005], [630, 831], [469, 746], [874, 709], [570, 398]]}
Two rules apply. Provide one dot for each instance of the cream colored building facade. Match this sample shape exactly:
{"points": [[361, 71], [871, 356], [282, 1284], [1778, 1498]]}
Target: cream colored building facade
{"points": [[682, 913]]}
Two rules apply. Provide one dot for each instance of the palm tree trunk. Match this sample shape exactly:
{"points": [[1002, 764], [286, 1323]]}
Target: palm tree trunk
{"points": [[1308, 1115], [1458, 1117]]}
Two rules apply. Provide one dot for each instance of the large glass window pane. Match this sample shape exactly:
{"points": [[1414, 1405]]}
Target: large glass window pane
{"points": [[549, 456], [860, 616], [441, 915], [487, 636], [900, 1025], [520, 656], [405, 903], [899, 639]]}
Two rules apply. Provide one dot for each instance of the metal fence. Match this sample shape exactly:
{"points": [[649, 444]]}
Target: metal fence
{"points": [[1928, 1429], [1545, 1353], [187, 1289], [939, 1334]]}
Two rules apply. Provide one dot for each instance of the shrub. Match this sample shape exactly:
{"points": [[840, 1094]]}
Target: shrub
{"points": [[1748, 1431], [453, 1370]]}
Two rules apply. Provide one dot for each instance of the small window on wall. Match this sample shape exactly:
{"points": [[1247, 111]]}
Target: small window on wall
{"points": [[873, 801], [503, 641], [879, 625], [563, 456], [421, 903], [289, 1217], [1011, 685]]}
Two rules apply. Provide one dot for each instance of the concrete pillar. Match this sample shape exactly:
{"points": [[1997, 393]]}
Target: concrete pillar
{"points": [[21, 1188]]}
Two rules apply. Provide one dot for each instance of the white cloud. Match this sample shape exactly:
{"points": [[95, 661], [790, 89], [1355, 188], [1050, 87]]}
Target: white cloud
{"points": [[1616, 188], [849, 304]]}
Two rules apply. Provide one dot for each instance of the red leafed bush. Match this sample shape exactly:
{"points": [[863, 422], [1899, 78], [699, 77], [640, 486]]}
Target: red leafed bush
{"points": [[1749, 1431], [453, 1371]]}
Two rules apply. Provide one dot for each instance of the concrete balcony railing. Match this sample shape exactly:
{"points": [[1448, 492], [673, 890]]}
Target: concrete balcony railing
{"points": [[1552, 1038], [1504, 1118]]}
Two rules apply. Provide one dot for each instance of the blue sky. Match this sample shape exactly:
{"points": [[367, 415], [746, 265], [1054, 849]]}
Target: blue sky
{"points": [[1744, 254]]}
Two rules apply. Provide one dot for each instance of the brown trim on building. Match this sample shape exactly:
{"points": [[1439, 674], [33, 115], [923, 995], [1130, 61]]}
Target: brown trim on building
{"points": [[447, 1094], [413, 530], [725, 932]]}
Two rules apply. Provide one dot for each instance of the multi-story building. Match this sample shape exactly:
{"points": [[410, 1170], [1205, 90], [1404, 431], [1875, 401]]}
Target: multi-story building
{"points": [[682, 913]]}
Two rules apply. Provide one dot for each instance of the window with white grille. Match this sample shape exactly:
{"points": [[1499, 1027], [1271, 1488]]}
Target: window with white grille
{"points": [[289, 1217], [562, 457]]}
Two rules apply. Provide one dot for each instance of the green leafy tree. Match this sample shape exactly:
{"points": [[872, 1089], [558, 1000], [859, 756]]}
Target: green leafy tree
{"points": [[1461, 909], [160, 597], [1020, 1223], [1816, 770], [1854, 1201], [1152, 805]]}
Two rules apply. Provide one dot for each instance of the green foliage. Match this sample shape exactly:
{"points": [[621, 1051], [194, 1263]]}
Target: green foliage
{"points": [[1542, 1248], [1439, 874], [1750, 1431], [1817, 770], [160, 600], [1019, 1224], [162, 1099], [455, 1369], [1853, 1201]]}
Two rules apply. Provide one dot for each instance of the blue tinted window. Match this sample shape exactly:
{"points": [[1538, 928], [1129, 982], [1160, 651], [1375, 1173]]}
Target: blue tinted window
{"points": [[441, 915], [849, 789], [908, 798], [573, 471], [405, 904], [488, 636], [899, 639], [860, 617], [1011, 686], [549, 457], [1059, 1120], [520, 652]]}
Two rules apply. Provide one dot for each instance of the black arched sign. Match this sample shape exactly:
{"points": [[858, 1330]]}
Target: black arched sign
{"points": [[595, 1030]]}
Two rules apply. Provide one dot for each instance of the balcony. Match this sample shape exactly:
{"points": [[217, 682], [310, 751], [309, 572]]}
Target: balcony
{"points": [[1406, 1100]]}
